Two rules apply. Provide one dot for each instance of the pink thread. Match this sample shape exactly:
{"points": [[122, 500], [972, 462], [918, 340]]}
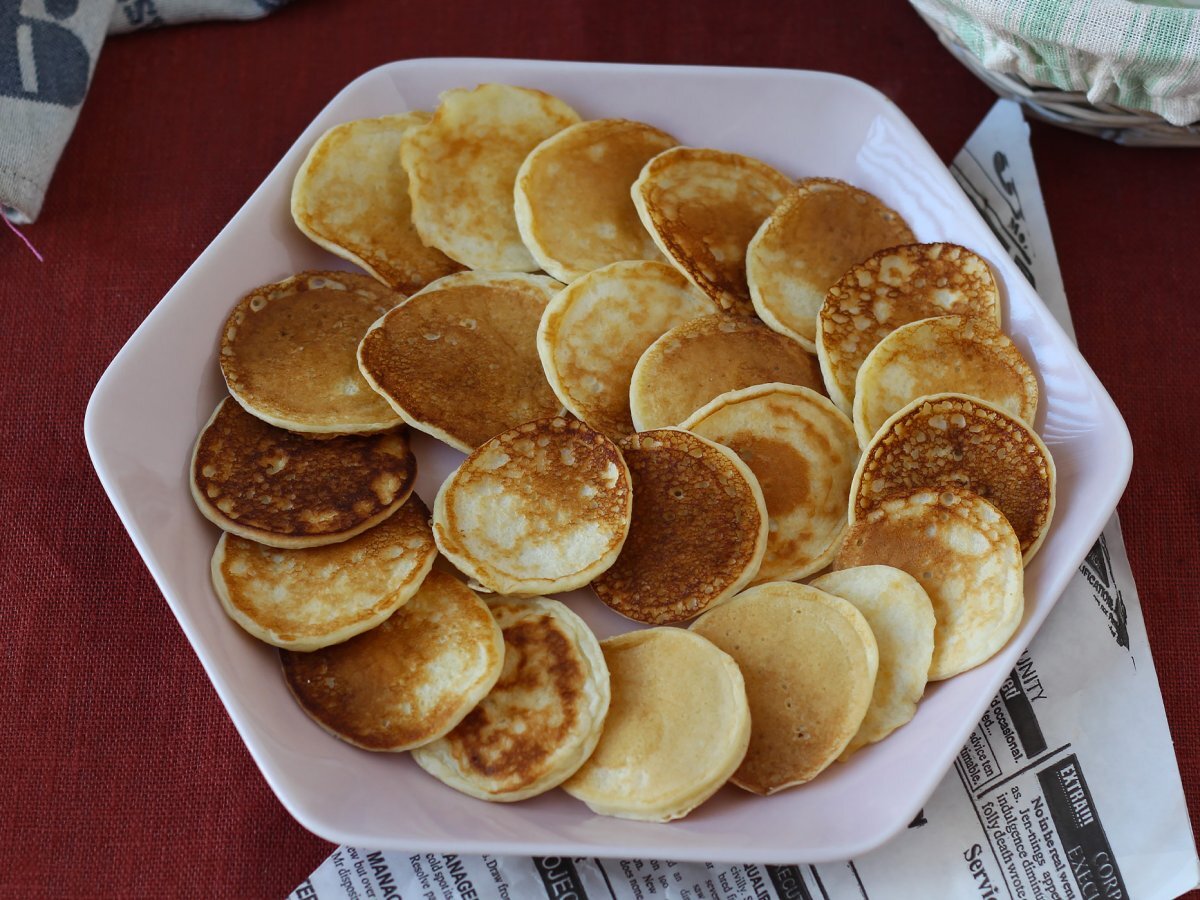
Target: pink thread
{"points": [[24, 240]]}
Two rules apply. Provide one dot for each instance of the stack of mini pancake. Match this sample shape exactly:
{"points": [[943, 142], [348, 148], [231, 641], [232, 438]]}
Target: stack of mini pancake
{"points": [[679, 377]]}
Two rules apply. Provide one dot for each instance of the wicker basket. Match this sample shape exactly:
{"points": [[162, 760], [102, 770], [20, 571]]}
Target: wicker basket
{"points": [[1072, 109]]}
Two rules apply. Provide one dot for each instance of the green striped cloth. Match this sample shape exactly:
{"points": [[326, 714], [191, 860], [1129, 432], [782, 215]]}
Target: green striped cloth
{"points": [[1145, 56]]}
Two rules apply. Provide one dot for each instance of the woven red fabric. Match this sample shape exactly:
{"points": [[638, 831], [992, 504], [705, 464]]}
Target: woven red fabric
{"points": [[122, 773]]}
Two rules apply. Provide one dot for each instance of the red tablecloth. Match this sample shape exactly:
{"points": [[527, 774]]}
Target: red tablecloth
{"points": [[121, 773]]}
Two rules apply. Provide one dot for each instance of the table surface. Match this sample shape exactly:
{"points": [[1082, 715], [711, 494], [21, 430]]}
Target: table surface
{"points": [[122, 771]]}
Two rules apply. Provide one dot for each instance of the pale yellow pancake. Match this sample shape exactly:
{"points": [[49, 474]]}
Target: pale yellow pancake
{"points": [[408, 681], [594, 331], [573, 205], [900, 614], [702, 207], [459, 360], [803, 451], [809, 660], [312, 598], [812, 237], [890, 289], [287, 490], [539, 509], [288, 353], [959, 441], [706, 357], [351, 197], [463, 164], [963, 355], [677, 728], [964, 554], [542, 719], [699, 529]]}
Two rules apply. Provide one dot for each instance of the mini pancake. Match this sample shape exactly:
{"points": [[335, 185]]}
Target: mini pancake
{"points": [[286, 490], [900, 614], [964, 355], [699, 529], [312, 598], [964, 554], [677, 728], [702, 207], [542, 719], [459, 360], [594, 331], [812, 237], [704, 358], [809, 661], [803, 451], [288, 353], [952, 440], [573, 205], [462, 165], [539, 509], [408, 681], [892, 288], [351, 197]]}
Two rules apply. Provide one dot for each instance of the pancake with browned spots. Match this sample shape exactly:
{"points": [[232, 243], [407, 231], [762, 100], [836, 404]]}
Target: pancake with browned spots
{"points": [[966, 556], [288, 353], [539, 509], [318, 596], [702, 207], [459, 360], [809, 660], [803, 451], [572, 196], [287, 490], [677, 727], [959, 354], [818, 232], [542, 719], [890, 289], [704, 358], [959, 441], [351, 197], [462, 165], [594, 331], [698, 533], [408, 681]]}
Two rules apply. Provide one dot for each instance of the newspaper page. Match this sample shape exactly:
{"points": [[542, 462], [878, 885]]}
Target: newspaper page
{"points": [[1068, 789]]}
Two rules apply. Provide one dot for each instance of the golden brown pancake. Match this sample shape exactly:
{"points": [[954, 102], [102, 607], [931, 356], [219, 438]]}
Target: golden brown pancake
{"points": [[964, 554], [462, 165], [699, 529], [809, 660], [288, 353], [900, 614], [890, 289], [542, 719], [702, 207], [953, 440], [704, 358], [286, 490], [312, 598], [594, 331], [803, 451], [814, 235], [573, 204], [539, 509], [408, 681], [351, 197], [677, 727], [963, 355], [459, 360]]}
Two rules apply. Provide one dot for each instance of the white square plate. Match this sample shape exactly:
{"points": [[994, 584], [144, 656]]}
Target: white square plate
{"points": [[151, 403]]}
